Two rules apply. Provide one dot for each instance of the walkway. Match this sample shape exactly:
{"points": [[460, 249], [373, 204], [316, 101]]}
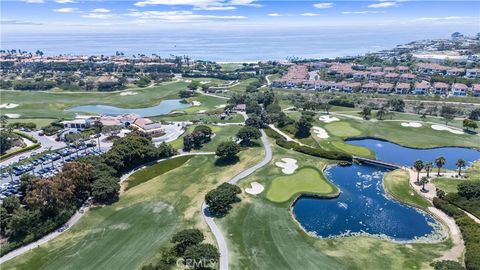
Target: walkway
{"points": [[211, 95], [76, 217], [286, 136]]}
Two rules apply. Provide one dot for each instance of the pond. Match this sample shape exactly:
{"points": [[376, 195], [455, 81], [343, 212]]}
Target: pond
{"points": [[363, 207], [395, 153], [163, 107]]}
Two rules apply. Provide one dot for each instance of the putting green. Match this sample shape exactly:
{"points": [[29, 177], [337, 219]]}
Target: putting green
{"points": [[342, 129], [306, 180]]}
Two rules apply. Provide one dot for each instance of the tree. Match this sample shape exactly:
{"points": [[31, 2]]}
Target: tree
{"points": [[469, 124], [227, 150], [219, 200], [5, 142], [303, 127], [184, 239], [447, 265], [11, 204], [474, 114], [423, 181], [418, 166], [326, 106], [201, 256], [247, 133], [105, 189], [254, 121], [460, 164], [469, 189], [439, 161], [396, 104], [448, 113], [98, 126], [366, 112], [381, 113], [428, 167], [205, 130], [193, 85]]}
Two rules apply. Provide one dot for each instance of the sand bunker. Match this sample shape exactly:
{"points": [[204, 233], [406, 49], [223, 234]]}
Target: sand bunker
{"points": [[202, 111], [256, 188], [12, 115], [321, 133], [204, 82], [8, 105], [328, 119], [288, 165], [221, 106], [188, 81], [128, 93], [441, 127], [196, 103], [411, 124]]}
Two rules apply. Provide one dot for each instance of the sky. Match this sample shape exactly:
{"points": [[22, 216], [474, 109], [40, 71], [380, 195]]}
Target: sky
{"points": [[53, 16]]}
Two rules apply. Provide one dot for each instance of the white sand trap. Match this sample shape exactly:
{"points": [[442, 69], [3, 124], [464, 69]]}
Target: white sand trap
{"points": [[188, 81], [221, 106], [321, 133], [12, 115], [128, 93], [328, 119], [8, 105], [196, 103], [204, 82], [411, 124], [288, 165], [441, 127], [256, 188], [202, 111]]}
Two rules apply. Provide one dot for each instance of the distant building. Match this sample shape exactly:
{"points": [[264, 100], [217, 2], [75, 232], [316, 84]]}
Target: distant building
{"points": [[402, 88], [473, 73], [148, 126], [459, 89], [370, 87], [440, 88], [407, 77], [385, 88], [476, 90], [421, 88]]}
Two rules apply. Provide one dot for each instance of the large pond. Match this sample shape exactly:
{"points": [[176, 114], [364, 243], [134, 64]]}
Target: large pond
{"points": [[395, 153], [364, 207], [163, 107]]}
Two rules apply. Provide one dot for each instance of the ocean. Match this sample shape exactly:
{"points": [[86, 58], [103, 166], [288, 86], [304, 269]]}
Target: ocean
{"points": [[221, 45]]}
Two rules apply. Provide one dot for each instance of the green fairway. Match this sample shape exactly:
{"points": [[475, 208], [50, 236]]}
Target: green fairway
{"points": [[221, 134], [202, 117], [354, 149], [131, 232], [306, 180], [396, 183], [342, 129], [40, 122]]}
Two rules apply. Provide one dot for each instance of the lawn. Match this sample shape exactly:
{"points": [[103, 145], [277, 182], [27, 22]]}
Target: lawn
{"points": [[353, 149], [305, 180], [396, 183], [201, 117], [130, 233], [40, 122], [449, 185], [221, 134], [342, 129]]}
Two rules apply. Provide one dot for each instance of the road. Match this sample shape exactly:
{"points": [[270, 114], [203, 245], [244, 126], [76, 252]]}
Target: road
{"points": [[76, 217], [217, 233]]}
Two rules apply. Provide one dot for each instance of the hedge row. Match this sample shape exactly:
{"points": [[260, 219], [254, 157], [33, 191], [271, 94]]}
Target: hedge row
{"points": [[28, 148], [470, 232], [26, 136], [312, 151]]}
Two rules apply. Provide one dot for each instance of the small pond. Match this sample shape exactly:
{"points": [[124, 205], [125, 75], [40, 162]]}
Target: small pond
{"points": [[395, 153], [363, 207], [163, 107]]}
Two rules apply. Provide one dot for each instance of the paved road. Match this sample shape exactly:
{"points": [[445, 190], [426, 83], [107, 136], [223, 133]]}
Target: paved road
{"points": [[217, 233], [211, 95], [76, 217]]}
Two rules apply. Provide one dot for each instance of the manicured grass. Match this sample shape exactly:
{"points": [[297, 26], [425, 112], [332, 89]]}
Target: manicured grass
{"points": [[396, 183], [203, 117], [354, 149], [305, 180], [231, 66], [342, 129], [40, 122], [221, 134], [155, 170], [131, 232], [207, 103], [449, 185]]}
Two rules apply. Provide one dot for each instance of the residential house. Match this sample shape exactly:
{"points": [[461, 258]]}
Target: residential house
{"points": [[370, 87], [407, 77], [402, 88], [403, 69], [148, 126], [388, 69], [240, 108], [455, 72], [421, 88], [322, 85], [440, 88], [352, 87], [391, 77], [459, 89], [431, 68], [309, 84], [360, 75], [337, 86], [473, 73], [385, 88], [476, 90], [376, 75]]}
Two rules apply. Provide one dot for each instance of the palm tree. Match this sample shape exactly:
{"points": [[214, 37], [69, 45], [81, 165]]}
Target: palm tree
{"points": [[460, 163], [428, 167], [424, 181], [439, 161], [418, 165], [97, 125]]}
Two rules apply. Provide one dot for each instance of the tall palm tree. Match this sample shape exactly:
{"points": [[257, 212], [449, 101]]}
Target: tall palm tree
{"points": [[424, 181], [460, 164], [439, 161], [97, 125], [418, 165], [428, 167]]}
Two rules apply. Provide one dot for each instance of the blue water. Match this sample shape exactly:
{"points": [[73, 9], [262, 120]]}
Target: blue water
{"points": [[163, 107], [395, 153]]}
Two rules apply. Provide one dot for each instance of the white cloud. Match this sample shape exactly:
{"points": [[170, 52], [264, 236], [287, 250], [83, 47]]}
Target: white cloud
{"points": [[66, 10], [101, 16], [383, 5], [323, 5], [178, 16], [199, 4], [213, 8], [100, 10], [17, 22], [64, 1], [448, 18], [309, 14], [362, 12], [275, 15], [34, 1]]}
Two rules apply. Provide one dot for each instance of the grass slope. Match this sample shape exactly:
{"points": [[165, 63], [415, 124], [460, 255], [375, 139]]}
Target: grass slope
{"points": [[396, 183]]}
